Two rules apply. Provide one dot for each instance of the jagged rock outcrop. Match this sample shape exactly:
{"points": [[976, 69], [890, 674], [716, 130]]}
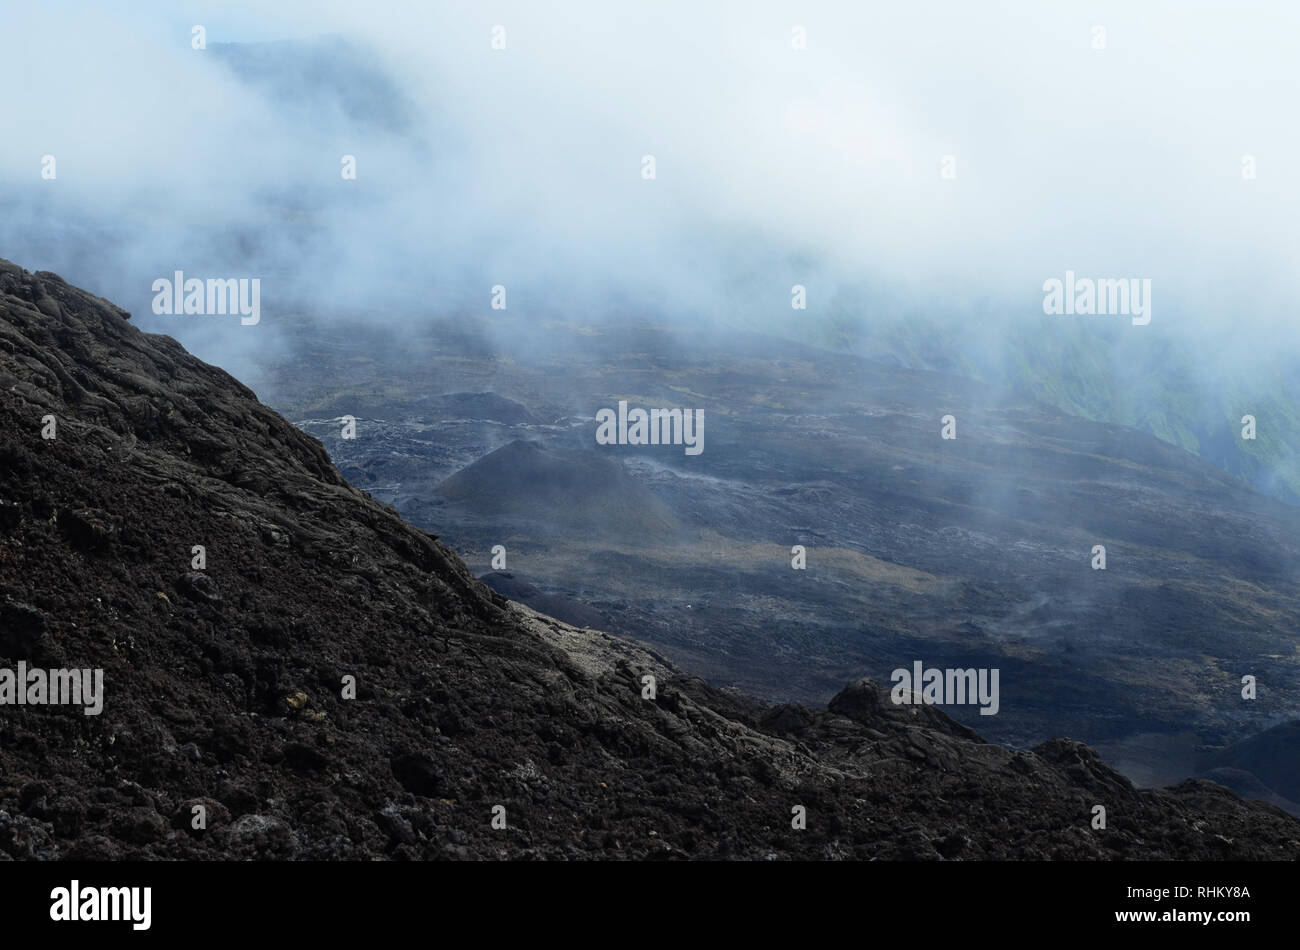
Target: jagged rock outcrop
{"points": [[227, 686]]}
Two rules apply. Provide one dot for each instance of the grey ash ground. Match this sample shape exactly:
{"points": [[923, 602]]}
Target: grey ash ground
{"points": [[225, 690]]}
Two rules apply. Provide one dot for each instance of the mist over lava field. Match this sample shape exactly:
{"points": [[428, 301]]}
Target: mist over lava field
{"points": [[977, 322]]}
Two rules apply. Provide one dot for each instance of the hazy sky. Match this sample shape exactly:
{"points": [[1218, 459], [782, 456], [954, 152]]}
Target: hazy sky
{"points": [[522, 166]]}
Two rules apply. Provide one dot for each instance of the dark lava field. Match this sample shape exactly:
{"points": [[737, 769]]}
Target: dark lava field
{"points": [[968, 552]]}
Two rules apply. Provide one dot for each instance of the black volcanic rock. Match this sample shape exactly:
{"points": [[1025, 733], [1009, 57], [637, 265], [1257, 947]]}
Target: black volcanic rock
{"points": [[418, 773], [88, 528], [21, 628], [199, 586], [357, 693], [868, 703]]}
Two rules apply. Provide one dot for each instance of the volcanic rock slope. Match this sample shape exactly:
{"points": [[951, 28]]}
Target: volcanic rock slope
{"points": [[225, 687]]}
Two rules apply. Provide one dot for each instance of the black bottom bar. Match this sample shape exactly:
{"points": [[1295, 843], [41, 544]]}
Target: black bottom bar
{"points": [[366, 900]]}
